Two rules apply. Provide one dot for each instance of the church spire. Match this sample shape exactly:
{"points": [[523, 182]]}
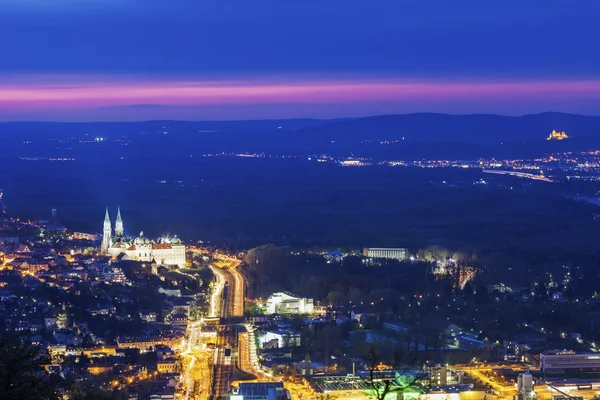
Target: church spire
{"points": [[119, 224], [107, 232]]}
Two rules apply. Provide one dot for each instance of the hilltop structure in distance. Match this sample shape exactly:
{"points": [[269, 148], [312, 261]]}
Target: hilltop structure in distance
{"points": [[554, 135]]}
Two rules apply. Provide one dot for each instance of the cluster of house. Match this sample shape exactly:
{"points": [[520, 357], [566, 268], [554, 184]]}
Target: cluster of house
{"points": [[97, 298], [450, 343], [61, 270], [77, 352], [130, 363]]}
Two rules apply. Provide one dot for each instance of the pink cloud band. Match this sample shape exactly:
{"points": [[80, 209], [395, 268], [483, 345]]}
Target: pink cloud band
{"points": [[65, 92]]}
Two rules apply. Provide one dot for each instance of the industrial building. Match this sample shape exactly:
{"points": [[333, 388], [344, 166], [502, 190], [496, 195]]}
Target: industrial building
{"points": [[561, 361]]}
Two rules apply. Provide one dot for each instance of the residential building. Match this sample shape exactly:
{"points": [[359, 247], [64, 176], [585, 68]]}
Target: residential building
{"points": [[167, 366], [148, 316], [438, 375]]}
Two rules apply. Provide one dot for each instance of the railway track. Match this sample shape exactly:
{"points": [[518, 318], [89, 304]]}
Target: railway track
{"points": [[223, 365]]}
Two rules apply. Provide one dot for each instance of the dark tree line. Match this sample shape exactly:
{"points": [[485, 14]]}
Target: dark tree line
{"points": [[21, 372], [271, 269]]}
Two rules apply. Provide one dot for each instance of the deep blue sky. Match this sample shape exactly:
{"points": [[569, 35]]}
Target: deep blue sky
{"points": [[59, 42]]}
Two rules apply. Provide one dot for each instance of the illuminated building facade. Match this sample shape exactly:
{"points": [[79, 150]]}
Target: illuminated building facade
{"points": [[557, 136], [563, 361], [280, 339], [379, 252], [62, 320], [86, 236], [168, 251], [97, 369], [288, 303], [149, 343], [167, 366]]}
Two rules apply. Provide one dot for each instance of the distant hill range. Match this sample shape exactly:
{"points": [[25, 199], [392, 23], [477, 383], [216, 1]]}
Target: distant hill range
{"points": [[428, 135], [476, 128], [384, 136]]}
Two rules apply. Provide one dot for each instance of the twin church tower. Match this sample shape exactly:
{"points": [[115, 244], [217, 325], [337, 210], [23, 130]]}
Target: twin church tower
{"points": [[107, 232]]}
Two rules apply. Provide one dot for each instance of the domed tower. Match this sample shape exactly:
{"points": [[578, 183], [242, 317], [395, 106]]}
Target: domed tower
{"points": [[107, 233], [143, 248], [119, 224]]}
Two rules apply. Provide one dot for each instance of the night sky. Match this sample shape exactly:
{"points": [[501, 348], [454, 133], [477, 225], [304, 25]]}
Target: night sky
{"points": [[87, 60]]}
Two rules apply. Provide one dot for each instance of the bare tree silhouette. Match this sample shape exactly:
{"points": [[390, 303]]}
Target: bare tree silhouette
{"points": [[401, 377]]}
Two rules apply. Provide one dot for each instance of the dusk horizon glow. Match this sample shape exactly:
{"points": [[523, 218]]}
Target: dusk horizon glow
{"points": [[231, 60], [36, 94]]}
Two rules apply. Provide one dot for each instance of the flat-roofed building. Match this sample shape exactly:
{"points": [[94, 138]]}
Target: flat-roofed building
{"points": [[384, 252], [260, 391], [288, 303], [558, 361], [280, 338]]}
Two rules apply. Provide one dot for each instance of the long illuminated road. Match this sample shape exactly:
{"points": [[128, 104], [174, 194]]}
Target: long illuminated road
{"points": [[193, 333], [480, 373], [217, 293], [226, 301], [519, 174], [238, 287]]}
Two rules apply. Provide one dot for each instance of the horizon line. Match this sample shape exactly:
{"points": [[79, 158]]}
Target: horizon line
{"points": [[294, 119]]}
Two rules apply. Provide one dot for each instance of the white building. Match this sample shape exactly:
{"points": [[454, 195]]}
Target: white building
{"points": [[288, 303], [169, 251], [379, 252], [271, 339], [562, 361]]}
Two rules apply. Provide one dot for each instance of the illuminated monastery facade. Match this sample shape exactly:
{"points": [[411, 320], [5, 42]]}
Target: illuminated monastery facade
{"points": [[164, 252]]}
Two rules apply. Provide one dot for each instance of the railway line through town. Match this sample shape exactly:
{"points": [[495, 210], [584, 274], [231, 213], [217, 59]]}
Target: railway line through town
{"points": [[231, 304], [207, 373]]}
